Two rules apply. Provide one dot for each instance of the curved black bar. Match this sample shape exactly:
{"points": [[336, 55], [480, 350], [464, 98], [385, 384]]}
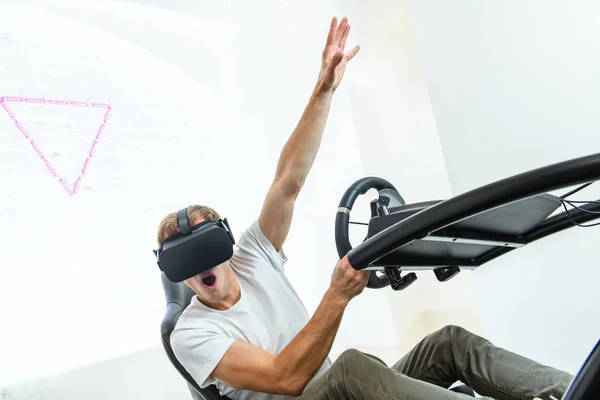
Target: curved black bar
{"points": [[361, 186], [527, 184]]}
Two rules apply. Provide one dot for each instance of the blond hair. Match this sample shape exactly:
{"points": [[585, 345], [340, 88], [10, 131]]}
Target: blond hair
{"points": [[195, 213]]}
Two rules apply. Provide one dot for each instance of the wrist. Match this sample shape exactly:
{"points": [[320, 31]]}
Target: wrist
{"points": [[336, 298], [322, 89]]}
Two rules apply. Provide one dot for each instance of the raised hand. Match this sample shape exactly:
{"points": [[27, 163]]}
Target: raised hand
{"points": [[333, 63]]}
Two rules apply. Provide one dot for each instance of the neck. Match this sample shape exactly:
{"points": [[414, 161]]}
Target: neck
{"points": [[233, 294]]}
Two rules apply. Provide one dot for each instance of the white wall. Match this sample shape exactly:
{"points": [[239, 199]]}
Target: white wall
{"points": [[82, 272], [200, 111], [399, 142], [514, 86]]}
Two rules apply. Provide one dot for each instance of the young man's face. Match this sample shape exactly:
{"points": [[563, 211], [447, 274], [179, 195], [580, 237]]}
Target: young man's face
{"points": [[212, 286]]}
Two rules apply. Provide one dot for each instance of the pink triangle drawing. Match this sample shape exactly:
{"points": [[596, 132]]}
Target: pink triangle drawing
{"points": [[71, 189]]}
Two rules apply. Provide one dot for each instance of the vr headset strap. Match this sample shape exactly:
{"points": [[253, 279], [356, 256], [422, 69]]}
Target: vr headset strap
{"points": [[182, 220]]}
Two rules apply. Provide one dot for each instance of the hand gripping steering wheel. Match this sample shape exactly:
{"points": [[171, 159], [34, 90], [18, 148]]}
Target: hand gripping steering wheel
{"points": [[388, 196]]}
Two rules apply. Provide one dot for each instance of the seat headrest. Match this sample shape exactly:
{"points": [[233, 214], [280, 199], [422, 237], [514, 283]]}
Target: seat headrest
{"points": [[178, 297]]}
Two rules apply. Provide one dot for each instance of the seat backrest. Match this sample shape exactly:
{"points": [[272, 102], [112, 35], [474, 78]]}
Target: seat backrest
{"points": [[178, 297]]}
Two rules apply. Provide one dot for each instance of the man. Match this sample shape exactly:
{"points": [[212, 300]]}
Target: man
{"points": [[247, 332]]}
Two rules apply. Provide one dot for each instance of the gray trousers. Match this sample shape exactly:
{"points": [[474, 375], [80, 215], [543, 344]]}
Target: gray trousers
{"points": [[441, 359]]}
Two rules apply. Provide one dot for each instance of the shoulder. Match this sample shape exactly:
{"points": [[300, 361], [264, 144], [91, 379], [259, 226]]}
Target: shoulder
{"points": [[199, 344], [194, 324], [253, 245]]}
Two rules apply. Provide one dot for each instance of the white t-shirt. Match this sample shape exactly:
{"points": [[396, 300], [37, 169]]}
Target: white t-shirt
{"points": [[269, 315]]}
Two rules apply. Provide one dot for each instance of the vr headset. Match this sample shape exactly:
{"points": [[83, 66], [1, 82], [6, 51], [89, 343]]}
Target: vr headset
{"points": [[194, 249]]}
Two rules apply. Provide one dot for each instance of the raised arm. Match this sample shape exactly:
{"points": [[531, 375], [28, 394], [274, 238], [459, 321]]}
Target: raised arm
{"points": [[300, 150]]}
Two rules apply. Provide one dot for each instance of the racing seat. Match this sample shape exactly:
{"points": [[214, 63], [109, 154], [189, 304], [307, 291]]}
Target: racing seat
{"points": [[178, 297]]}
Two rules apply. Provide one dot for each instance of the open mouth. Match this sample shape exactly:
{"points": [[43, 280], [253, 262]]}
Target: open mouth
{"points": [[209, 280]]}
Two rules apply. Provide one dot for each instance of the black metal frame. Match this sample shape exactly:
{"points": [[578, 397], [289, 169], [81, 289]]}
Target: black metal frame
{"points": [[429, 224], [503, 243], [435, 221]]}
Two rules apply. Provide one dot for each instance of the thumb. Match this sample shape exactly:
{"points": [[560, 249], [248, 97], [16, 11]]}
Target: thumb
{"points": [[328, 73], [336, 60], [366, 274]]}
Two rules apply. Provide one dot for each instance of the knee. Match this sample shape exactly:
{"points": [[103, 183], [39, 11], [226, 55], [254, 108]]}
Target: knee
{"points": [[454, 330], [451, 334], [350, 355], [352, 358], [352, 361], [346, 360]]}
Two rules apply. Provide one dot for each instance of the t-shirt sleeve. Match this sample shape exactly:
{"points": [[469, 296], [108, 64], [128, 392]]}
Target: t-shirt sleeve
{"points": [[199, 350], [254, 244]]}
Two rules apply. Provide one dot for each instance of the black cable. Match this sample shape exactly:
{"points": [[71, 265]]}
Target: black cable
{"points": [[581, 209], [583, 202], [572, 192], [573, 202], [575, 223]]}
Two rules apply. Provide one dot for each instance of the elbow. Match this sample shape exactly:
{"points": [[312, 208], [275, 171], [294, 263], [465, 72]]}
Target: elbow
{"points": [[296, 393], [292, 388], [290, 383], [291, 183], [296, 387]]}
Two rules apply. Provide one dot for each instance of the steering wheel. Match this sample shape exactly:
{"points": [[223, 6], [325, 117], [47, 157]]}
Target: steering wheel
{"points": [[388, 195]]}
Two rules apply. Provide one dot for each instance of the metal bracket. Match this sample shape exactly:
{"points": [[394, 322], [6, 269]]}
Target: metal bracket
{"points": [[444, 274], [398, 282]]}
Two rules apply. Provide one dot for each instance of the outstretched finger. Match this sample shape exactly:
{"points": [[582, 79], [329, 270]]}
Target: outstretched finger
{"points": [[352, 52], [339, 34], [332, 31], [344, 37]]}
